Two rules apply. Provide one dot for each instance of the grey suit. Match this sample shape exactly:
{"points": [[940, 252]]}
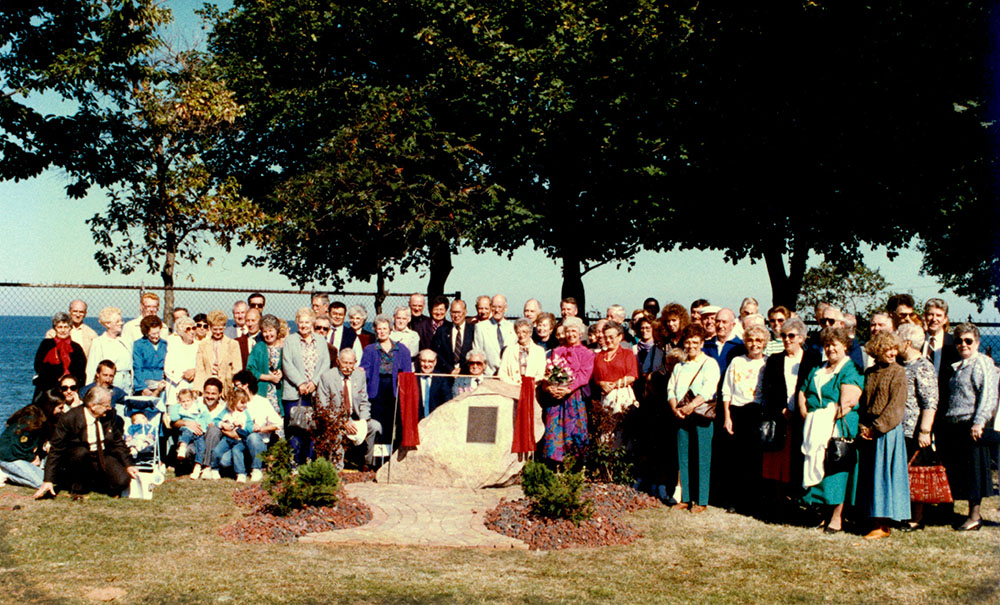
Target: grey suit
{"points": [[330, 392], [293, 368]]}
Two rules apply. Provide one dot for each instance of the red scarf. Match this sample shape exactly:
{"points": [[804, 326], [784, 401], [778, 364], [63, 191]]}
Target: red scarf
{"points": [[409, 408], [60, 354], [524, 419]]}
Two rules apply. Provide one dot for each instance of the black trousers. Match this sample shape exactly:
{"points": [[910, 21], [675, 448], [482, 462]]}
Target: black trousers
{"points": [[81, 472]]}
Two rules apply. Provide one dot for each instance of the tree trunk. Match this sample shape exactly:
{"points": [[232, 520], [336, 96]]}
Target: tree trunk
{"points": [[170, 259], [573, 281], [785, 285], [440, 267], [380, 292]]}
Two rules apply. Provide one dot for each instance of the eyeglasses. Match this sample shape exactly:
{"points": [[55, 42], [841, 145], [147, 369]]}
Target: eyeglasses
{"points": [[967, 341], [256, 305], [756, 340], [69, 387], [789, 336], [322, 328], [201, 325], [827, 321], [477, 363]]}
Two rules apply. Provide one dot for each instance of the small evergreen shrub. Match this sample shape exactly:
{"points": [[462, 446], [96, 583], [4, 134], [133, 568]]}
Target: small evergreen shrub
{"points": [[555, 494], [315, 484]]}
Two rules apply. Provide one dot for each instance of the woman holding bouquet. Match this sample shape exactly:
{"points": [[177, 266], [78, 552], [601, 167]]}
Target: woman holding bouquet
{"points": [[565, 391]]}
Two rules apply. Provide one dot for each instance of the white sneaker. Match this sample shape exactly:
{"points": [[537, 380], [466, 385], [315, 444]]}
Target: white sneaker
{"points": [[3, 477], [241, 478], [256, 475], [196, 473], [182, 450], [212, 474]]}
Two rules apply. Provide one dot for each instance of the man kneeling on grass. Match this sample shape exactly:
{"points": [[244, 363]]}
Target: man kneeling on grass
{"points": [[88, 452]]}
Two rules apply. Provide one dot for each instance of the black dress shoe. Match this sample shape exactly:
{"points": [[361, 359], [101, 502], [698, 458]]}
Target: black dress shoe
{"points": [[908, 527], [974, 526]]}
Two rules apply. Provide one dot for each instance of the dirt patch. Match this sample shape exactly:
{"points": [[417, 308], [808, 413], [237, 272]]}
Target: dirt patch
{"points": [[106, 594], [514, 518], [357, 476], [260, 526]]}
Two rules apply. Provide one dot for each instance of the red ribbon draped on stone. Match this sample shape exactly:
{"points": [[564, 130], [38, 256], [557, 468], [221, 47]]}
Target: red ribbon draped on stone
{"points": [[524, 419], [409, 409]]}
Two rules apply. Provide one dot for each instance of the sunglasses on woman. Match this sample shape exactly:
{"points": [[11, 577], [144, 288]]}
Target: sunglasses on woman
{"points": [[68, 387]]}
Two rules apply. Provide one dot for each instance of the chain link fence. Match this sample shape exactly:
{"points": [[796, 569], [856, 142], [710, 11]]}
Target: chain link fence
{"points": [[23, 299]]}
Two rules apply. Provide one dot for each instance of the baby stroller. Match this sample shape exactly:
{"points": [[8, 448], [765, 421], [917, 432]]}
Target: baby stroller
{"points": [[144, 443]]}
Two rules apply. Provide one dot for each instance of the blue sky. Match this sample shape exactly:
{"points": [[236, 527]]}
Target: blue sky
{"points": [[46, 240]]}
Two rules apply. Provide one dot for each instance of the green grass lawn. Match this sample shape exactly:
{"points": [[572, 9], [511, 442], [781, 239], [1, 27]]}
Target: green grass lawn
{"points": [[167, 550]]}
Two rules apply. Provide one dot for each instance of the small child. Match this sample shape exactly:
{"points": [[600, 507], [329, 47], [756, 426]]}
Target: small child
{"points": [[140, 435], [235, 425], [191, 416]]}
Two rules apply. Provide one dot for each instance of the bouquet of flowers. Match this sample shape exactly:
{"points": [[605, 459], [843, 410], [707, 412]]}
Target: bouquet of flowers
{"points": [[558, 372]]}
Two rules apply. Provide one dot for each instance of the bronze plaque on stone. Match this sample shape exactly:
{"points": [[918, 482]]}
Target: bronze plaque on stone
{"points": [[482, 425]]}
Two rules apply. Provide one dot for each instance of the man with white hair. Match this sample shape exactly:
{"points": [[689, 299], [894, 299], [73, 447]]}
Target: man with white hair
{"points": [[345, 388], [417, 317], [494, 335], [531, 309], [725, 345], [240, 328], [616, 313]]}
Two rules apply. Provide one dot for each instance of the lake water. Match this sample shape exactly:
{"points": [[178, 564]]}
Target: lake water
{"points": [[21, 335]]}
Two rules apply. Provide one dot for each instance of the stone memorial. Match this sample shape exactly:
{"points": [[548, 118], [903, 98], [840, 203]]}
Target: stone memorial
{"points": [[465, 442]]}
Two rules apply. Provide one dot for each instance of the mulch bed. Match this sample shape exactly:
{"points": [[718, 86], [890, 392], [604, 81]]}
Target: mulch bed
{"points": [[357, 476], [261, 526], [514, 518]]}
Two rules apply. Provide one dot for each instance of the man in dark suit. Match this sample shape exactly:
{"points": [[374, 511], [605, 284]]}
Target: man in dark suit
{"points": [[433, 390], [88, 451], [252, 336], [426, 329], [417, 316], [453, 341]]}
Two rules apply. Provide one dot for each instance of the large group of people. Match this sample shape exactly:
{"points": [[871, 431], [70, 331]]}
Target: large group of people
{"points": [[746, 411]]}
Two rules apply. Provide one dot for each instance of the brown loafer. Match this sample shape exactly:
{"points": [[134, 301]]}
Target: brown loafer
{"points": [[698, 508], [877, 533], [681, 506]]}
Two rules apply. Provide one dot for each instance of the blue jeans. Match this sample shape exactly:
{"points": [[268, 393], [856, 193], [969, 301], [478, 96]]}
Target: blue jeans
{"points": [[23, 472], [222, 455], [254, 444], [196, 444]]}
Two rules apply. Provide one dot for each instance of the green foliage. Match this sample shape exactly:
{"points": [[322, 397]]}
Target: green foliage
{"points": [[315, 483], [86, 53], [172, 201], [868, 132], [555, 494], [609, 464], [860, 291]]}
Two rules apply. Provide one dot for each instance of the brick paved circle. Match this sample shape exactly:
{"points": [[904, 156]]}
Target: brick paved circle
{"points": [[413, 515]]}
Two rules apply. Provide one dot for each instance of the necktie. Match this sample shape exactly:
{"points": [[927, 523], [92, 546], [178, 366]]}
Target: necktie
{"points": [[458, 345], [499, 336], [347, 397], [100, 444]]}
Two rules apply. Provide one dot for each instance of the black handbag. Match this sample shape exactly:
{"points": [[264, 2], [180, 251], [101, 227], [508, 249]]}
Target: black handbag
{"points": [[772, 433], [841, 454]]}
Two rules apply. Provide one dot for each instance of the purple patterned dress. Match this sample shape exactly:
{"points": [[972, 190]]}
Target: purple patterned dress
{"points": [[566, 419]]}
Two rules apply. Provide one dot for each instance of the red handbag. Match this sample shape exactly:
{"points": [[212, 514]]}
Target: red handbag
{"points": [[928, 484]]}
